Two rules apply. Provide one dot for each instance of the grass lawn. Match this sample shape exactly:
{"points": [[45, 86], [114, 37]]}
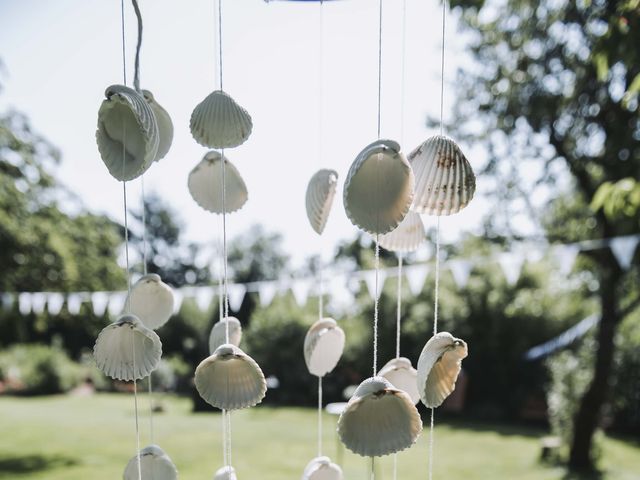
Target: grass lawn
{"points": [[82, 438]]}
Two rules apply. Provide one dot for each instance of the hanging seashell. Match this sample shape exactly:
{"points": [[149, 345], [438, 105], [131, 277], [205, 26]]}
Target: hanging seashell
{"points": [[319, 198], [402, 376], [230, 379], [116, 344], [205, 184], [379, 419], [155, 464], [379, 188], [127, 134], [219, 122], [151, 301], [225, 473], [323, 346], [445, 182], [218, 333], [438, 368], [322, 468], [407, 237], [165, 125]]}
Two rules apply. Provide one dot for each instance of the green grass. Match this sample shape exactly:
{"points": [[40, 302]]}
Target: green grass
{"points": [[81, 438]]}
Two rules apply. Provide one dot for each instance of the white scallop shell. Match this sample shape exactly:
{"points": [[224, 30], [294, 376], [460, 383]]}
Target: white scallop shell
{"points": [[379, 188], [402, 375], [165, 125], [152, 301], [407, 237], [445, 182], [218, 333], [319, 198], [126, 127], [322, 468], [379, 419], [116, 344], [205, 184], [438, 368], [323, 346], [230, 379], [219, 122], [225, 473], [155, 464]]}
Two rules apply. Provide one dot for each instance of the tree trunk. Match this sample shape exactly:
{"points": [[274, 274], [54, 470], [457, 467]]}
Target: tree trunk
{"points": [[588, 416]]}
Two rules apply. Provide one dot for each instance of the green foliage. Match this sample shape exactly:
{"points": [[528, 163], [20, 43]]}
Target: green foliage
{"points": [[625, 399], [618, 199]]}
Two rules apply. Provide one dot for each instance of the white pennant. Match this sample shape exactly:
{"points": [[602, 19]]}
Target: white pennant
{"points": [[55, 302], [74, 302], [266, 292], [460, 269], [99, 303], [204, 297], [623, 249], [416, 276], [38, 301], [117, 303], [236, 292], [301, 289], [177, 301], [511, 264], [24, 303], [369, 277], [566, 257], [342, 296]]}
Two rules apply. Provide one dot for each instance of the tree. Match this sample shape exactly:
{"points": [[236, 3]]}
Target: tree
{"points": [[552, 93]]}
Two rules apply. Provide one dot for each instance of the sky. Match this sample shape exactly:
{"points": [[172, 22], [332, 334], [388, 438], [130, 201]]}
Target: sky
{"points": [[60, 56]]}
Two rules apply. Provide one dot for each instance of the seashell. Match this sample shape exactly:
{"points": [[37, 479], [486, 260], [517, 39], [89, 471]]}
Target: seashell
{"points": [[323, 346], [225, 473], [438, 368], [126, 127], [379, 419], [218, 333], [319, 198], [151, 301], [219, 122], [407, 237], [402, 375], [205, 184], [322, 468], [379, 188], [230, 379], [165, 125], [155, 464], [116, 344], [445, 182]]}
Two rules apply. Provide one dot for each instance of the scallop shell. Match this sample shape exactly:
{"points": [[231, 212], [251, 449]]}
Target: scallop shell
{"points": [[323, 346], [402, 375], [154, 463], [165, 125], [126, 127], [445, 182], [407, 237], [379, 188], [218, 333], [379, 419], [116, 344], [152, 301], [225, 473], [438, 368], [322, 468], [205, 184], [230, 379], [219, 122], [319, 198]]}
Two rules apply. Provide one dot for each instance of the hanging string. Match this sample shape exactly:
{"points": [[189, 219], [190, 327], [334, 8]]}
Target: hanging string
{"points": [[144, 227], [431, 444], [319, 416], [375, 311], [444, 16], [403, 75], [379, 64], [228, 438], [135, 403], [399, 309], [136, 75]]}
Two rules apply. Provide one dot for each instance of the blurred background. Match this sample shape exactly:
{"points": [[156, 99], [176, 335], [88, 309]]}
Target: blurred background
{"points": [[539, 274]]}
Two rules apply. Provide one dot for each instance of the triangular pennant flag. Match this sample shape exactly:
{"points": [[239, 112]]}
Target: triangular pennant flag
{"points": [[38, 302], [369, 277], [511, 264], [266, 292], [54, 303], [341, 293], [301, 289], [623, 249], [117, 303], [534, 253], [460, 269], [416, 276], [204, 297], [74, 302], [99, 303], [236, 292], [566, 256], [7, 301], [24, 303], [177, 301]]}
